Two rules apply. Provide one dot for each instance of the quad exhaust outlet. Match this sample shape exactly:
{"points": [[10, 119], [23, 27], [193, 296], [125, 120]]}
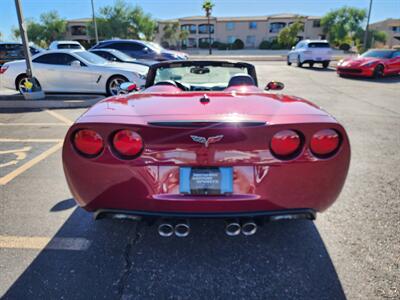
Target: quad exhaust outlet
{"points": [[180, 229], [234, 228]]}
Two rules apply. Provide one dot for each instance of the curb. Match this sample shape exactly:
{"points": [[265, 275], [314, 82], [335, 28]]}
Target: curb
{"points": [[78, 103]]}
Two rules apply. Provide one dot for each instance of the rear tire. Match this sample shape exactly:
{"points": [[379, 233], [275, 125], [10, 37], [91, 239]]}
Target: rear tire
{"points": [[19, 83], [112, 86], [325, 64], [378, 71], [299, 63], [288, 61]]}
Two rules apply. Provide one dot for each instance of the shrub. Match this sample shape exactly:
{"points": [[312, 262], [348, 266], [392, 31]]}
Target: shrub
{"points": [[224, 46], [345, 47], [203, 45], [237, 44], [265, 45], [215, 45]]}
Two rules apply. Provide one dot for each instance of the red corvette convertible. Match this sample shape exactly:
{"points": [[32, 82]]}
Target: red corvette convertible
{"points": [[201, 140], [373, 63]]}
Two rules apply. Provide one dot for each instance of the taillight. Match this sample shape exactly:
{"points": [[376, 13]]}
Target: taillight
{"points": [[3, 69], [285, 144], [127, 143], [325, 142], [88, 142]]}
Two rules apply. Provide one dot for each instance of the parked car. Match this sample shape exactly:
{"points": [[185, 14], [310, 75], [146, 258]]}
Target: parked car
{"points": [[66, 45], [118, 56], [310, 52], [373, 63], [15, 51], [203, 140], [142, 50], [73, 71]]}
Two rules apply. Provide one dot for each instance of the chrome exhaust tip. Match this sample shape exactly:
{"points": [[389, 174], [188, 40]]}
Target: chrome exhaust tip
{"points": [[165, 229], [182, 229], [232, 228], [249, 228]]}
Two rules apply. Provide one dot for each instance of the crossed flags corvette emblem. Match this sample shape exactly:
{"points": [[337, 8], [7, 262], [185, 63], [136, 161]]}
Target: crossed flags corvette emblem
{"points": [[207, 141]]}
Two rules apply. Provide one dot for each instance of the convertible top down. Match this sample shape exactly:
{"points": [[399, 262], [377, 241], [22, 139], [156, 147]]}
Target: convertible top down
{"points": [[203, 140]]}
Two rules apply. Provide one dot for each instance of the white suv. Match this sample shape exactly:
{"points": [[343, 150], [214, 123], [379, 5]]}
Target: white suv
{"points": [[57, 45], [311, 52]]}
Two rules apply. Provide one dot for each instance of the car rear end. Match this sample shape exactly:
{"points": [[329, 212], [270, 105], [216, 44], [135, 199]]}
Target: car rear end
{"points": [[10, 52], [317, 52], [188, 168]]}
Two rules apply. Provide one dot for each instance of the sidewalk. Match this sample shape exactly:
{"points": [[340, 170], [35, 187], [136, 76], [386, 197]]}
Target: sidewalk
{"points": [[11, 99]]}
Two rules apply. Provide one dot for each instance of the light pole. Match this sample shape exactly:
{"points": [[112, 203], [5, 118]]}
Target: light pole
{"points": [[366, 28], [27, 53], [95, 24]]}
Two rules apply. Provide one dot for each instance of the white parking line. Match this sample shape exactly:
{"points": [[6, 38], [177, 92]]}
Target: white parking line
{"points": [[59, 117], [30, 140], [39, 243], [33, 124]]}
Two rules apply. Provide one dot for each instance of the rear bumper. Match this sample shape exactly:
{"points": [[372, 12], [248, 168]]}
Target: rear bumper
{"points": [[274, 215]]}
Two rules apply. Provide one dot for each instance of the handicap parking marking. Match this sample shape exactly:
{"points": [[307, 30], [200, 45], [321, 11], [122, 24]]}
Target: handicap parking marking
{"points": [[19, 153], [12, 159]]}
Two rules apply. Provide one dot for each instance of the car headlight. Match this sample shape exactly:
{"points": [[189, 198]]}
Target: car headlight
{"points": [[340, 62]]}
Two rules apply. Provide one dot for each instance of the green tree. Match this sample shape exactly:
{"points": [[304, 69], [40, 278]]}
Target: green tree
{"points": [[50, 28], [373, 37], [341, 25], [183, 35], [287, 37], [207, 7], [171, 33], [122, 20]]}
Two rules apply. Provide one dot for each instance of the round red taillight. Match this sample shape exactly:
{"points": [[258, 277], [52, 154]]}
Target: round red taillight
{"points": [[88, 142], [325, 142], [127, 143], [285, 143]]}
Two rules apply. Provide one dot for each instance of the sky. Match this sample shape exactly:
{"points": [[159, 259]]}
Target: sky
{"points": [[166, 9]]}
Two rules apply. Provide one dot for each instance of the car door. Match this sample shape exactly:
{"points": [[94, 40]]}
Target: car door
{"points": [[394, 63], [55, 73]]}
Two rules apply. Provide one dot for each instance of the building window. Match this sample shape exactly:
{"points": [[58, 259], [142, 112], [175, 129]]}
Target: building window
{"points": [[252, 25], [251, 41], [231, 39], [396, 28], [230, 26], [316, 23], [189, 43], [78, 30], [276, 27], [203, 28], [189, 27]]}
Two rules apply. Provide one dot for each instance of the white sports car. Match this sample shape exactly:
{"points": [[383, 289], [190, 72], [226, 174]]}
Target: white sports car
{"points": [[73, 71]]}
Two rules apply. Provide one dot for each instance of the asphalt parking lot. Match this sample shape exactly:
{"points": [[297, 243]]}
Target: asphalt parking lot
{"points": [[51, 249]]}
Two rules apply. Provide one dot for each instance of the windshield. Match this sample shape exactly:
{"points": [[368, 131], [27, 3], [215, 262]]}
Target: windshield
{"points": [[377, 54], [68, 46], [154, 46], [318, 45], [122, 56], [208, 77], [91, 58]]}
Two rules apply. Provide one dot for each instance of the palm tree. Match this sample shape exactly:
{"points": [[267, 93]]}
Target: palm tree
{"points": [[183, 36], [207, 7], [171, 33]]}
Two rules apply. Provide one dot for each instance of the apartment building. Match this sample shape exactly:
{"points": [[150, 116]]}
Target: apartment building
{"points": [[78, 30], [251, 30], [392, 29]]}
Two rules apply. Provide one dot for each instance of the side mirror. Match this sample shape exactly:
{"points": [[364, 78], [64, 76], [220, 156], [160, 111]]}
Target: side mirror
{"points": [[127, 87], [274, 85], [75, 64]]}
